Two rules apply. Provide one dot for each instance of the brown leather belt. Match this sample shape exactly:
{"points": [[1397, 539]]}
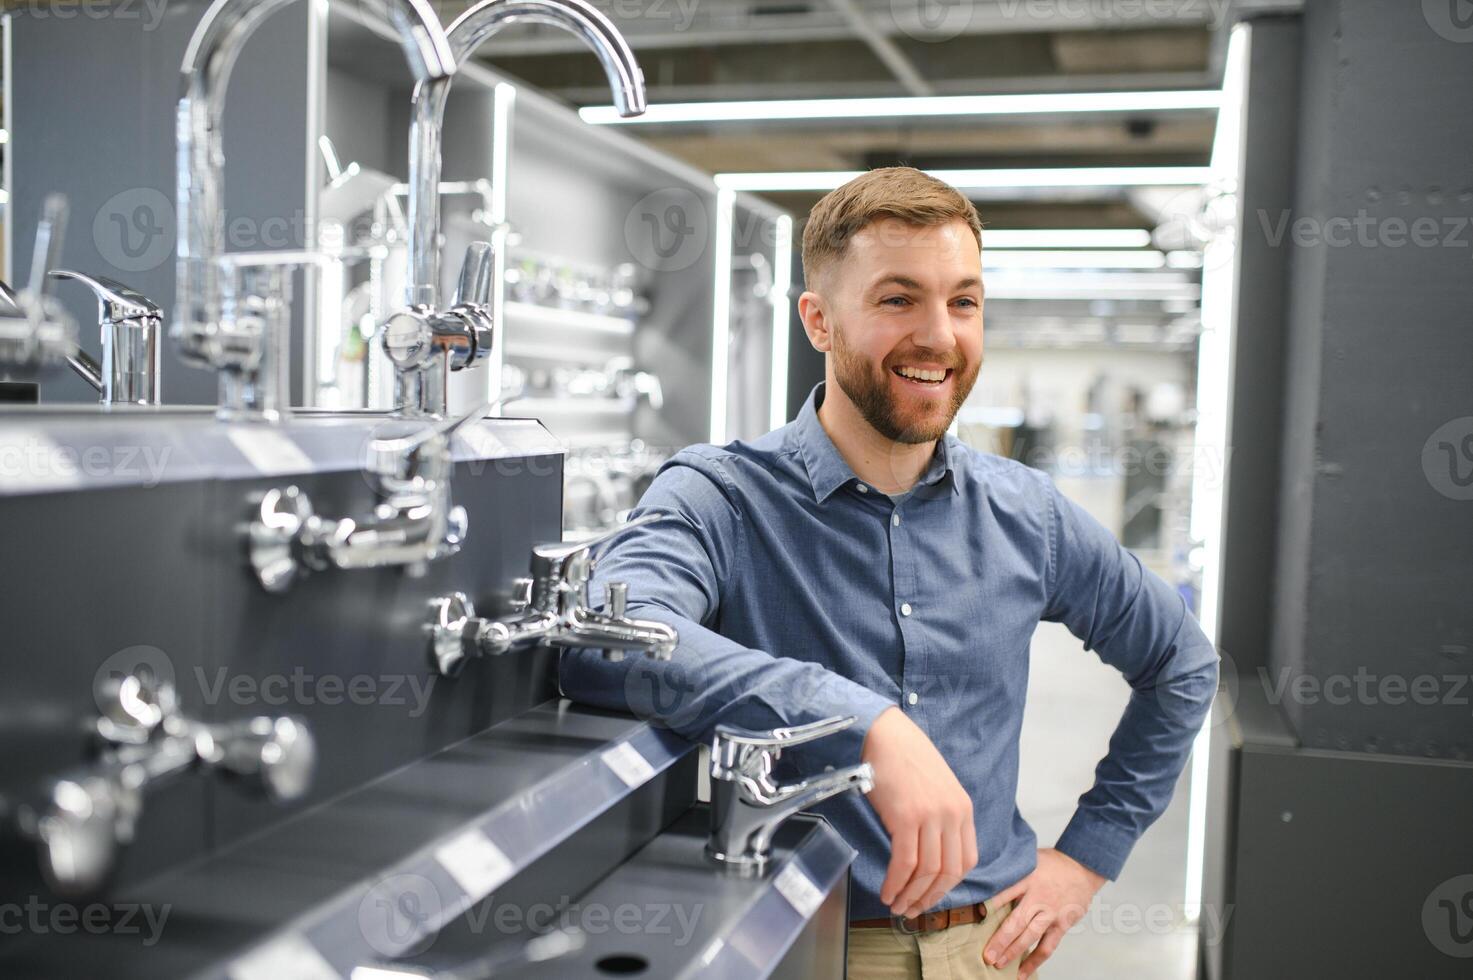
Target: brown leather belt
{"points": [[927, 921]]}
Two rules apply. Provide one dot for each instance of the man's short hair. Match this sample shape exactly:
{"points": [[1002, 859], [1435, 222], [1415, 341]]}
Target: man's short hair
{"points": [[905, 193]]}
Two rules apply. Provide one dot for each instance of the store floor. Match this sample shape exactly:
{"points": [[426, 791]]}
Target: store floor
{"points": [[1136, 927]]}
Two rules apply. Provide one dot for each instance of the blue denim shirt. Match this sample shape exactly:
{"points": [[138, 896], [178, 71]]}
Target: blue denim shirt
{"points": [[800, 593]]}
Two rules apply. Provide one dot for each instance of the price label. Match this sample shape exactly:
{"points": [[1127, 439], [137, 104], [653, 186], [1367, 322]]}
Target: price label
{"points": [[799, 889], [628, 764], [271, 453], [289, 958], [477, 865]]}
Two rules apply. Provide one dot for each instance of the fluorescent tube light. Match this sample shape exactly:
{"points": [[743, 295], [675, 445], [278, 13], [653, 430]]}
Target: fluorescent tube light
{"points": [[908, 107], [827, 180], [1054, 259], [1066, 237]]}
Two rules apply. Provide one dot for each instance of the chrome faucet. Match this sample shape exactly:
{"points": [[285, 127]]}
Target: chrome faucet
{"points": [[419, 340], [234, 327], [85, 816], [425, 345], [413, 523], [130, 323], [35, 331], [747, 806], [551, 608]]}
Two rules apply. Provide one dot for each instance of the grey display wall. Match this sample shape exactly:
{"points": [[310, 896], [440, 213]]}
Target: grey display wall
{"points": [[1375, 509], [90, 109]]}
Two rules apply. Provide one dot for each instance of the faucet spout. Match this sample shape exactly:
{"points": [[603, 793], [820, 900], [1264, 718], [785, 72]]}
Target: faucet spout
{"points": [[626, 81], [603, 631], [200, 159]]}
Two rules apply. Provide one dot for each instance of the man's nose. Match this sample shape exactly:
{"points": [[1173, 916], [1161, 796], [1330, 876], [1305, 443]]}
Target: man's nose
{"points": [[935, 332]]}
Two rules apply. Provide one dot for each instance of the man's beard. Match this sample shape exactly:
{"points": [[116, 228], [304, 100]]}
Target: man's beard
{"points": [[869, 389]]}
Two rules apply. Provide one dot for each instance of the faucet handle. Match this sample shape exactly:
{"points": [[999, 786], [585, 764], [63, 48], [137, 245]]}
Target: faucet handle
{"points": [[734, 747], [115, 301], [476, 275], [50, 232], [278, 754]]}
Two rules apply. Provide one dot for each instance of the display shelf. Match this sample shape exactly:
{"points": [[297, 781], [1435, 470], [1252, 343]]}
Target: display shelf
{"points": [[533, 313]]}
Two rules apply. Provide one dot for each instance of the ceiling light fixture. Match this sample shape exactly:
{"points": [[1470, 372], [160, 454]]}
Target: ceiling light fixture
{"points": [[1066, 237], [964, 180], [773, 110]]}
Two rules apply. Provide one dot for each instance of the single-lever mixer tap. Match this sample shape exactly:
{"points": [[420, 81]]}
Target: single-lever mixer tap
{"points": [[423, 343], [550, 608], [747, 805]]}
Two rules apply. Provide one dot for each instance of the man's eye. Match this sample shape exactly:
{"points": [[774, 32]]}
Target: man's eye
{"points": [[894, 300], [967, 301]]}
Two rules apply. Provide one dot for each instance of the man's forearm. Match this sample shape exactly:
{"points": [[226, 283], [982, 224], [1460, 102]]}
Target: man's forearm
{"points": [[712, 679]]}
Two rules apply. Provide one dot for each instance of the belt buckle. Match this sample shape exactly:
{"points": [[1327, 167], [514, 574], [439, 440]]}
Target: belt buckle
{"points": [[898, 922]]}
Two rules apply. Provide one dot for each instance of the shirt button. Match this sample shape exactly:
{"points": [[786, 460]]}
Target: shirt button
{"points": [[905, 609], [863, 488], [895, 519], [912, 697]]}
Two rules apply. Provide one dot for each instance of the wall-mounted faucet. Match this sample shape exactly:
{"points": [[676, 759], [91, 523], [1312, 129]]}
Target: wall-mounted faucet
{"points": [[35, 331], [85, 816], [747, 806], [550, 608], [422, 365], [413, 523], [231, 326], [130, 323]]}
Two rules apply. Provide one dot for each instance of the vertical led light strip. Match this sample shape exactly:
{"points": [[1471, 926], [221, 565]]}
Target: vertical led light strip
{"points": [[721, 315], [322, 288], [1214, 405], [505, 97], [7, 90], [782, 281]]}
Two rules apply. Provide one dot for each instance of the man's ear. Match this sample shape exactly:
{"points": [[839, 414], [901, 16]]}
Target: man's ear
{"points": [[814, 314]]}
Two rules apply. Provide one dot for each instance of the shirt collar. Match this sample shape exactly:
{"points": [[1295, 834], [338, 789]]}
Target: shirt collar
{"points": [[827, 470]]}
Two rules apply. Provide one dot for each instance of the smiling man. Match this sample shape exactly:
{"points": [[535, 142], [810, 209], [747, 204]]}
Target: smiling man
{"points": [[859, 561]]}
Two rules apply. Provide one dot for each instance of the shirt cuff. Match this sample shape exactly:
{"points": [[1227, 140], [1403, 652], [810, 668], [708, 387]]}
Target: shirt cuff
{"points": [[843, 748], [1094, 842]]}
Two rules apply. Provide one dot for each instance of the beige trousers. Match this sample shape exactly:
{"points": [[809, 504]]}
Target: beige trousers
{"points": [[951, 954]]}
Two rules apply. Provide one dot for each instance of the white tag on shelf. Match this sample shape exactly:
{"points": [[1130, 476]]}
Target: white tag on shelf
{"points": [[477, 865], [799, 889], [288, 958], [272, 453], [628, 764]]}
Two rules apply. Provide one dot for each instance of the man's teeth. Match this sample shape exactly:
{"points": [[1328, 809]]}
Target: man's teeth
{"points": [[916, 374]]}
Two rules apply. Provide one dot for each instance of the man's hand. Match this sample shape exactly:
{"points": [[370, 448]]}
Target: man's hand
{"points": [[925, 810], [1050, 900]]}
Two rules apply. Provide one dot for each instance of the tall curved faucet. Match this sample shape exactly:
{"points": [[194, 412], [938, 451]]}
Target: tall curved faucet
{"points": [[422, 343], [208, 61]]}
